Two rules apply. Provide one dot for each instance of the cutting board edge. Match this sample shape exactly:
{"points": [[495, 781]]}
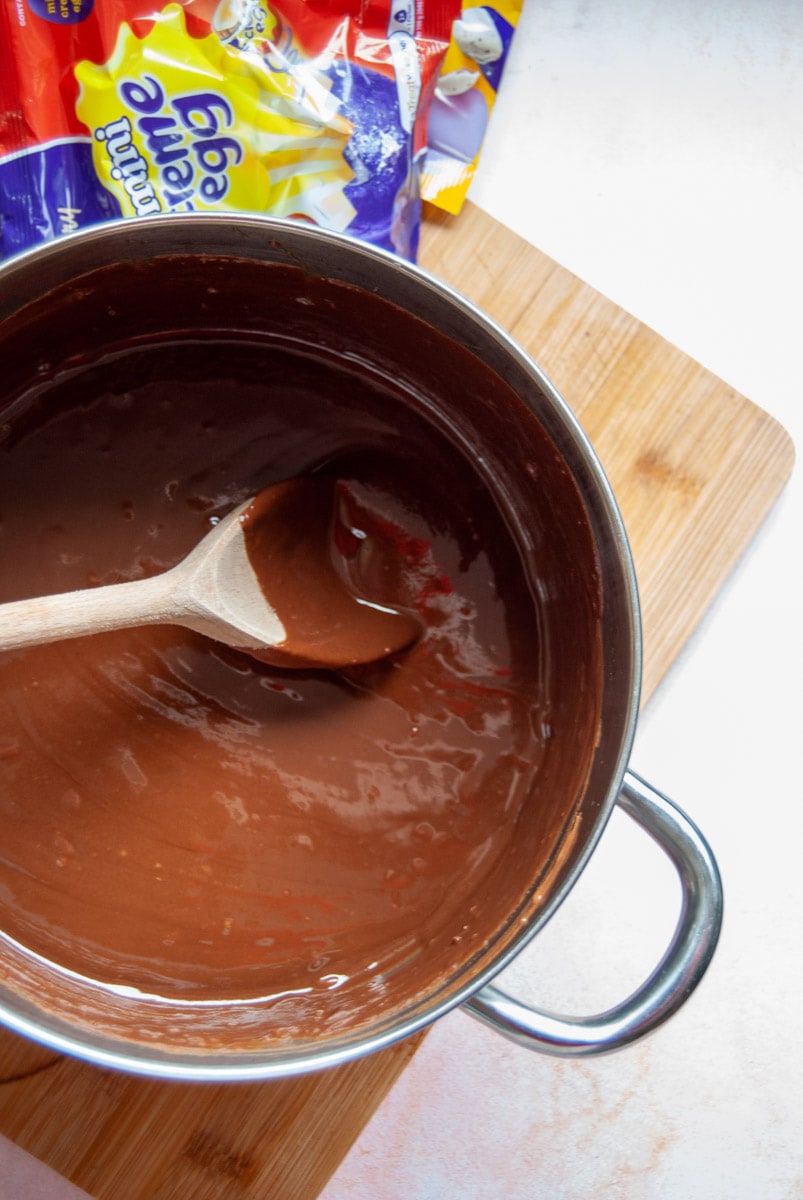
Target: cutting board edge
{"points": [[435, 218]]}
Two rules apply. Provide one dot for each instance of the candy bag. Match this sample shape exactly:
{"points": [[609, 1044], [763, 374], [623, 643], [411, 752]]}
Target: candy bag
{"points": [[308, 109], [464, 99]]}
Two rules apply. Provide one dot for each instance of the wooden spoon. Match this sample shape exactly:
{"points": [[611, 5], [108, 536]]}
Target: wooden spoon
{"points": [[269, 579]]}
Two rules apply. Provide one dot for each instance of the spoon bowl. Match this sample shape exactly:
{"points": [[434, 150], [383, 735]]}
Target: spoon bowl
{"points": [[270, 578]]}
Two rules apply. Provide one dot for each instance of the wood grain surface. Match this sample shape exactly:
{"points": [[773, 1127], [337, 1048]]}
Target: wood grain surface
{"points": [[695, 468]]}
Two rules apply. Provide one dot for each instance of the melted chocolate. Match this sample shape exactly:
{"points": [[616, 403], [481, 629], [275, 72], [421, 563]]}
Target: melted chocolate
{"points": [[178, 819]]}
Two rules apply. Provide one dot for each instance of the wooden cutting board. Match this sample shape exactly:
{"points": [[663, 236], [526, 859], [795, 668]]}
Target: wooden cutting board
{"points": [[696, 468]]}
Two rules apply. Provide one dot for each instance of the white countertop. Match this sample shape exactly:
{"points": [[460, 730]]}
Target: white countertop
{"points": [[655, 148]]}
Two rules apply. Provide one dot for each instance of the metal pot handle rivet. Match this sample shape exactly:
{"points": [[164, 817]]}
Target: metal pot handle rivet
{"points": [[677, 974]]}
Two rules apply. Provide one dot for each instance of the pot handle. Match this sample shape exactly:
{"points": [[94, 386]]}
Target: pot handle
{"points": [[673, 980]]}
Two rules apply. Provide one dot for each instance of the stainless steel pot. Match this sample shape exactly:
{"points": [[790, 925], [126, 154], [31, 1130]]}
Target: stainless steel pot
{"points": [[609, 782]]}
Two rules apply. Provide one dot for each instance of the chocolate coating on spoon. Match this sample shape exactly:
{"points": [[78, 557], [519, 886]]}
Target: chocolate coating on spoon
{"points": [[307, 551]]}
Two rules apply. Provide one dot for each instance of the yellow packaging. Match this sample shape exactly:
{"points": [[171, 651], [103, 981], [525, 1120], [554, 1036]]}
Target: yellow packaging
{"points": [[464, 99], [221, 128]]}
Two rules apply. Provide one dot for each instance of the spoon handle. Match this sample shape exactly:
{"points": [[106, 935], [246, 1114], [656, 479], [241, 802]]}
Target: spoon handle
{"points": [[91, 610]]}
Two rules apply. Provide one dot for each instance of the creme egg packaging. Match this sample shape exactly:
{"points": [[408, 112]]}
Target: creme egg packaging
{"points": [[290, 108]]}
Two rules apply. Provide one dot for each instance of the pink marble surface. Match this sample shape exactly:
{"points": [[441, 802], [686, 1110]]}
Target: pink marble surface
{"points": [[23, 1177]]}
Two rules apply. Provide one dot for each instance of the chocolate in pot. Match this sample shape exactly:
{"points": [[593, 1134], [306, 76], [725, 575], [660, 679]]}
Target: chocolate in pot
{"points": [[179, 820]]}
